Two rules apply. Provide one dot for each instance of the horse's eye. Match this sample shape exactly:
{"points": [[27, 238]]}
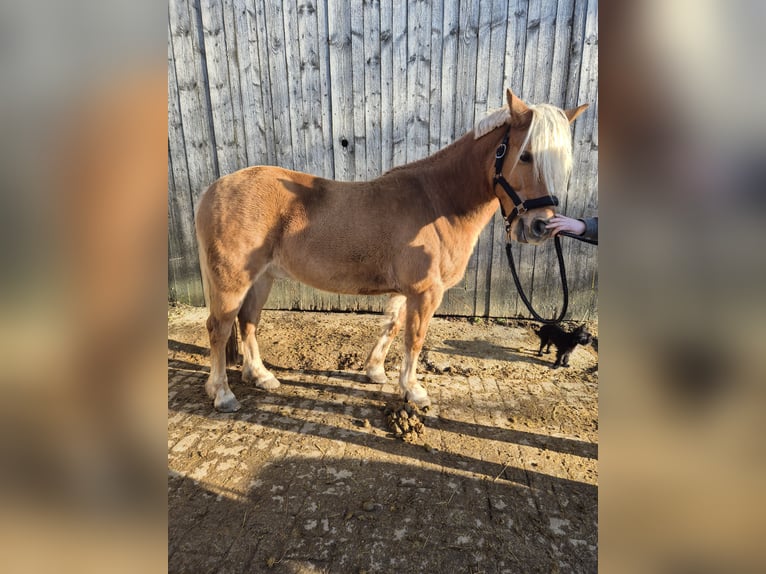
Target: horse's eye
{"points": [[525, 157]]}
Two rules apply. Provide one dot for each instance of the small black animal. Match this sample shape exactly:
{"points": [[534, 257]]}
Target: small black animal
{"points": [[565, 342]]}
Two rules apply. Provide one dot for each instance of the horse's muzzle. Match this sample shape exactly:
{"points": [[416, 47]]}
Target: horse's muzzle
{"points": [[534, 231]]}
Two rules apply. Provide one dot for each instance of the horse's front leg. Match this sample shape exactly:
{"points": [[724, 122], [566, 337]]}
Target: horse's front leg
{"points": [[394, 314], [420, 309]]}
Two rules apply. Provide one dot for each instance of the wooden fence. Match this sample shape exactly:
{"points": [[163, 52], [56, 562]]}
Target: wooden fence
{"points": [[348, 89]]}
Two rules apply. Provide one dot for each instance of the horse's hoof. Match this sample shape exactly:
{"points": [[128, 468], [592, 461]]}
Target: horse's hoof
{"points": [[226, 402], [422, 401], [377, 377], [268, 384]]}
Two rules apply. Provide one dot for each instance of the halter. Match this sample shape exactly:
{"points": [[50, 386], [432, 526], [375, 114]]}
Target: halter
{"points": [[520, 207]]}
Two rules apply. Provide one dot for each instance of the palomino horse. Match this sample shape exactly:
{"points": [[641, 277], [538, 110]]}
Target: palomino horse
{"points": [[408, 233]]}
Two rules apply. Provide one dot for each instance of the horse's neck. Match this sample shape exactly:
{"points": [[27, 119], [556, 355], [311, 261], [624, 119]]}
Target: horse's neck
{"points": [[459, 180]]}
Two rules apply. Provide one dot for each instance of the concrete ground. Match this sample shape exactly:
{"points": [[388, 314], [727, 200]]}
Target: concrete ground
{"points": [[308, 478]]}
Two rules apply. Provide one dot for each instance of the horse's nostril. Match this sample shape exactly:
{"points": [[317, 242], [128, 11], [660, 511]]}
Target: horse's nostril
{"points": [[538, 227]]}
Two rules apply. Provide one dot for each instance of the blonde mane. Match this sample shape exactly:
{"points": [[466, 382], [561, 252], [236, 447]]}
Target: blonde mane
{"points": [[548, 139]]}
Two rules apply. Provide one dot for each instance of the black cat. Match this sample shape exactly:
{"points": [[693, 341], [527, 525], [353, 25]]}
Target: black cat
{"points": [[565, 342]]}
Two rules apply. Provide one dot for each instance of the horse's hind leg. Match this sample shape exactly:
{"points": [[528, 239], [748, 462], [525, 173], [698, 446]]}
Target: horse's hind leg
{"points": [[420, 309], [394, 314], [223, 310], [253, 369]]}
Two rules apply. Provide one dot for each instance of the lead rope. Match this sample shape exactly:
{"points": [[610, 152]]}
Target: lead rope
{"points": [[564, 286]]}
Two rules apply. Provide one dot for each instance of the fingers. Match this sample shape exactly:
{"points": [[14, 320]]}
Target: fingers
{"points": [[559, 223], [556, 224]]}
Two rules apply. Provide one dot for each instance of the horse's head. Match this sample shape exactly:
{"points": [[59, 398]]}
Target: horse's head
{"points": [[532, 165]]}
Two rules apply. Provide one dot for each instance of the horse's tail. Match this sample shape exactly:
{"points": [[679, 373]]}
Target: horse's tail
{"points": [[232, 344]]}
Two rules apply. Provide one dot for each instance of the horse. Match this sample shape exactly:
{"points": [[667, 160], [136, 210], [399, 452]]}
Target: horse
{"points": [[407, 234]]}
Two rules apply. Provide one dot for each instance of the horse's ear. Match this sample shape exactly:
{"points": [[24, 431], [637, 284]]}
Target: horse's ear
{"points": [[574, 112], [521, 115]]}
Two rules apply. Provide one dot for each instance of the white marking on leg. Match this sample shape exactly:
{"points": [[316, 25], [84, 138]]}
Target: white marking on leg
{"points": [[253, 369], [374, 364]]}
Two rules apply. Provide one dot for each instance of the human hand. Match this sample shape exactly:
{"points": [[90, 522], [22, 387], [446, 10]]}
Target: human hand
{"points": [[559, 223]]}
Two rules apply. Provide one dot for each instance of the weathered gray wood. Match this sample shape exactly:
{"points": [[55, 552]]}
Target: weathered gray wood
{"points": [[183, 267], [311, 87], [386, 87], [254, 82], [462, 297], [418, 78], [194, 104], [250, 80], [225, 103], [434, 98], [399, 129], [257, 33], [450, 39], [274, 35], [323, 50], [339, 37], [372, 90], [358, 91], [297, 105]]}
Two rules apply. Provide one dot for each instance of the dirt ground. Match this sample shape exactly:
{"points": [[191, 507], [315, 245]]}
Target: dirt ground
{"points": [[309, 478]]}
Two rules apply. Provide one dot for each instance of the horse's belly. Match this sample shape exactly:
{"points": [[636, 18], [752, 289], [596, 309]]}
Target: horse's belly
{"points": [[345, 279]]}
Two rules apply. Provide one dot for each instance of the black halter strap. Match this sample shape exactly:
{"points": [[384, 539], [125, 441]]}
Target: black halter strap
{"points": [[519, 206]]}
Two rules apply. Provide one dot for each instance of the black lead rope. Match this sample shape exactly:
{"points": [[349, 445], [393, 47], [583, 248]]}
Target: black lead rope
{"points": [[579, 237], [564, 286]]}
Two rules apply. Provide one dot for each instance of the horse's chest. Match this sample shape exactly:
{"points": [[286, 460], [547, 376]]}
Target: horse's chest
{"points": [[454, 263]]}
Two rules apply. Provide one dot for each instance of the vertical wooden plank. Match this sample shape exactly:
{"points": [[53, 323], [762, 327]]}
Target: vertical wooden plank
{"points": [[560, 67], [516, 45], [435, 97], [583, 198], [576, 44], [183, 265], [250, 74], [483, 249], [230, 8], [311, 90], [418, 78], [297, 106], [358, 90], [399, 28], [339, 35], [323, 50], [450, 39], [274, 35], [460, 299], [372, 92], [387, 86], [192, 97], [257, 33], [221, 104]]}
